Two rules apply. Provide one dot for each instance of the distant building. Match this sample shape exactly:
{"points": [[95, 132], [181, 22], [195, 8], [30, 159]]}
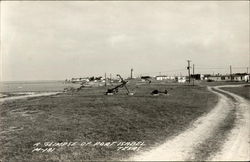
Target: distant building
{"points": [[196, 76], [76, 80], [171, 77], [225, 77], [181, 79], [205, 76], [214, 78], [161, 77], [239, 76], [234, 77], [145, 78], [166, 78], [246, 78]]}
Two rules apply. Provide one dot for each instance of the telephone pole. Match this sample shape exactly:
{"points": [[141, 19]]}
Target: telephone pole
{"points": [[231, 73], [131, 74], [188, 68], [105, 80], [193, 75]]}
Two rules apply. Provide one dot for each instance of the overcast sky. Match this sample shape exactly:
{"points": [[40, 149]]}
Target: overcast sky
{"points": [[59, 40]]}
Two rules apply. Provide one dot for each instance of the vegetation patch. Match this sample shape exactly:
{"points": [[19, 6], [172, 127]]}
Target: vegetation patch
{"points": [[243, 91], [91, 116]]}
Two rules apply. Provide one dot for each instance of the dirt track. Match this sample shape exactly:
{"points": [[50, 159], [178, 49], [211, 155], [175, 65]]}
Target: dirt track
{"points": [[234, 145]]}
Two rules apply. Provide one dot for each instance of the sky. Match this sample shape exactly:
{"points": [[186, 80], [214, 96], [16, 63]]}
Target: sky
{"points": [[54, 40]]}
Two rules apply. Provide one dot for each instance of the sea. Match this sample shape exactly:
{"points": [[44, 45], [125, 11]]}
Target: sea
{"points": [[12, 89]]}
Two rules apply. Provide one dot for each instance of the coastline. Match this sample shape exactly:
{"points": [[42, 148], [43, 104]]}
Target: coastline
{"points": [[29, 94]]}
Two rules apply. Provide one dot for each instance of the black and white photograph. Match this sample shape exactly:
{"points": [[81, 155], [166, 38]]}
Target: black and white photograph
{"points": [[115, 80]]}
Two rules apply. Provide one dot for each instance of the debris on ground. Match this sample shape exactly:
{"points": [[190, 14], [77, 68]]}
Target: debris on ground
{"points": [[157, 92], [115, 90]]}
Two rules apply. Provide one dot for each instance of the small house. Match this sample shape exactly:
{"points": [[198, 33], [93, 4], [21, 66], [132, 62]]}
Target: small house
{"points": [[181, 79], [239, 77], [246, 78], [161, 77], [214, 78]]}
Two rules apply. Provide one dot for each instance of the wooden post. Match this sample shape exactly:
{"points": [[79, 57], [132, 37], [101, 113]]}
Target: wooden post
{"points": [[231, 73], [193, 74], [188, 70], [105, 80], [131, 74]]}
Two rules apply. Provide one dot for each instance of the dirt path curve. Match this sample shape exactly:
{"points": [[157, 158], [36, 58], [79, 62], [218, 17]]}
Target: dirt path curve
{"points": [[237, 146], [182, 147]]}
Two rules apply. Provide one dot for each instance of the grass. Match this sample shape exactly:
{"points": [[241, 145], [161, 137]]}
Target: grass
{"points": [[218, 83], [243, 91], [90, 116]]}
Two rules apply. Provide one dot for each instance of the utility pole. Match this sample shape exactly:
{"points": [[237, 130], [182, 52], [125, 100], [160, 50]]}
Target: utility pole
{"points": [[193, 75], [110, 79], [105, 80], [249, 62], [231, 73], [188, 68], [131, 74], [247, 70]]}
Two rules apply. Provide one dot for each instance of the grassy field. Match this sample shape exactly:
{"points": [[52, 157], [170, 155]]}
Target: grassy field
{"points": [[243, 91], [90, 116], [219, 83]]}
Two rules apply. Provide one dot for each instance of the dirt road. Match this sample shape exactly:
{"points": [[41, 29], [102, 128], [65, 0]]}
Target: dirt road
{"points": [[222, 134]]}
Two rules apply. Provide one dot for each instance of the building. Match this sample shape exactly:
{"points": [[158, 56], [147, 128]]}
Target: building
{"points": [[161, 77], [246, 78], [196, 76], [76, 80], [205, 76], [225, 77], [181, 79], [240, 77], [214, 78]]}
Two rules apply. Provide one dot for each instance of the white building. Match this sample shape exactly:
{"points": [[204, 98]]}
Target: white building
{"points": [[182, 79], [246, 78], [161, 77]]}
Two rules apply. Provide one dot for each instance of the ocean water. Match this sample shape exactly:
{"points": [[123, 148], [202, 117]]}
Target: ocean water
{"points": [[18, 88]]}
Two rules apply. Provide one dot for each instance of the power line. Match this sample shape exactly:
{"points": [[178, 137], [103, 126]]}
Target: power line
{"points": [[236, 67], [198, 68], [210, 68], [240, 67], [156, 72]]}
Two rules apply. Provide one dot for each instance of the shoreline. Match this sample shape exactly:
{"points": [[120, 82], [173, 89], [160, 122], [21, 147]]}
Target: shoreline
{"points": [[28, 95]]}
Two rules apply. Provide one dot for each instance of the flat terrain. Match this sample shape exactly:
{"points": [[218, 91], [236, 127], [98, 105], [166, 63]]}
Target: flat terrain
{"points": [[236, 145], [90, 116], [243, 91], [221, 135]]}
